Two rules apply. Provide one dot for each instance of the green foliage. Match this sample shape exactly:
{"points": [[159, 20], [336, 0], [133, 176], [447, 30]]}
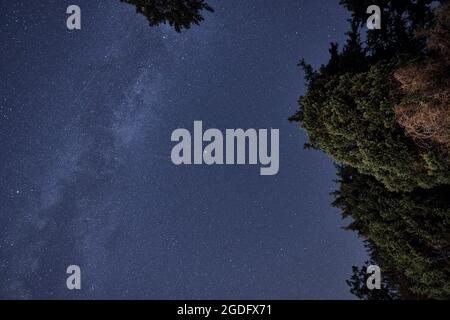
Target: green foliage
{"points": [[358, 286], [352, 118], [408, 232], [395, 190], [349, 108], [180, 14]]}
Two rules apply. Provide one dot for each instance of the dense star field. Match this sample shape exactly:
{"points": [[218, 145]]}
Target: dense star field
{"points": [[86, 177]]}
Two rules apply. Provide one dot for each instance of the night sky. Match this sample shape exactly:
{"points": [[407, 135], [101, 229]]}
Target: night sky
{"points": [[85, 172]]}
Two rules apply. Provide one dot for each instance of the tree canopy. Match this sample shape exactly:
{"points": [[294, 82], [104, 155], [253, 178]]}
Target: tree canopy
{"points": [[407, 233], [349, 110], [180, 14], [381, 109]]}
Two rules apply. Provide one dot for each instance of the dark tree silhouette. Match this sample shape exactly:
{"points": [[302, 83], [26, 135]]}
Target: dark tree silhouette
{"points": [[181, 14], [367, 108], [400, 20], [406, 233], [358, 285], [349, 109]]}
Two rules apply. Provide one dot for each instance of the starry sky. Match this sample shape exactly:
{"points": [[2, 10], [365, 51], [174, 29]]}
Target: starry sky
{"points": [[85, 172]]}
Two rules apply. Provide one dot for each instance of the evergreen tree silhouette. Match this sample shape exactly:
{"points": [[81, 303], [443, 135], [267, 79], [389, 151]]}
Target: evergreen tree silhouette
{"points": [[180, 14], [393, 188]]}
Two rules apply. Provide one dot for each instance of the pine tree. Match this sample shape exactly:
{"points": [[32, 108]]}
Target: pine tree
{"points": [[407, 234], [349, 111], [181, 14], [394, 189]]}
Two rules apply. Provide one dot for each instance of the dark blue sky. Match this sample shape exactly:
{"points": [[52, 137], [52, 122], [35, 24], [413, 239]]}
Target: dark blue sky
{"points": [[85, 171]]}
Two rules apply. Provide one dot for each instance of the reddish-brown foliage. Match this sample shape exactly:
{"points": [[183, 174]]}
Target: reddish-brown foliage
{"points": [[425, 112]]}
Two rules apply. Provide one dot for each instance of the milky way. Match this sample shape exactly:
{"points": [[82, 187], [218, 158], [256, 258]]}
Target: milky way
{"points": [[86, 176]]}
